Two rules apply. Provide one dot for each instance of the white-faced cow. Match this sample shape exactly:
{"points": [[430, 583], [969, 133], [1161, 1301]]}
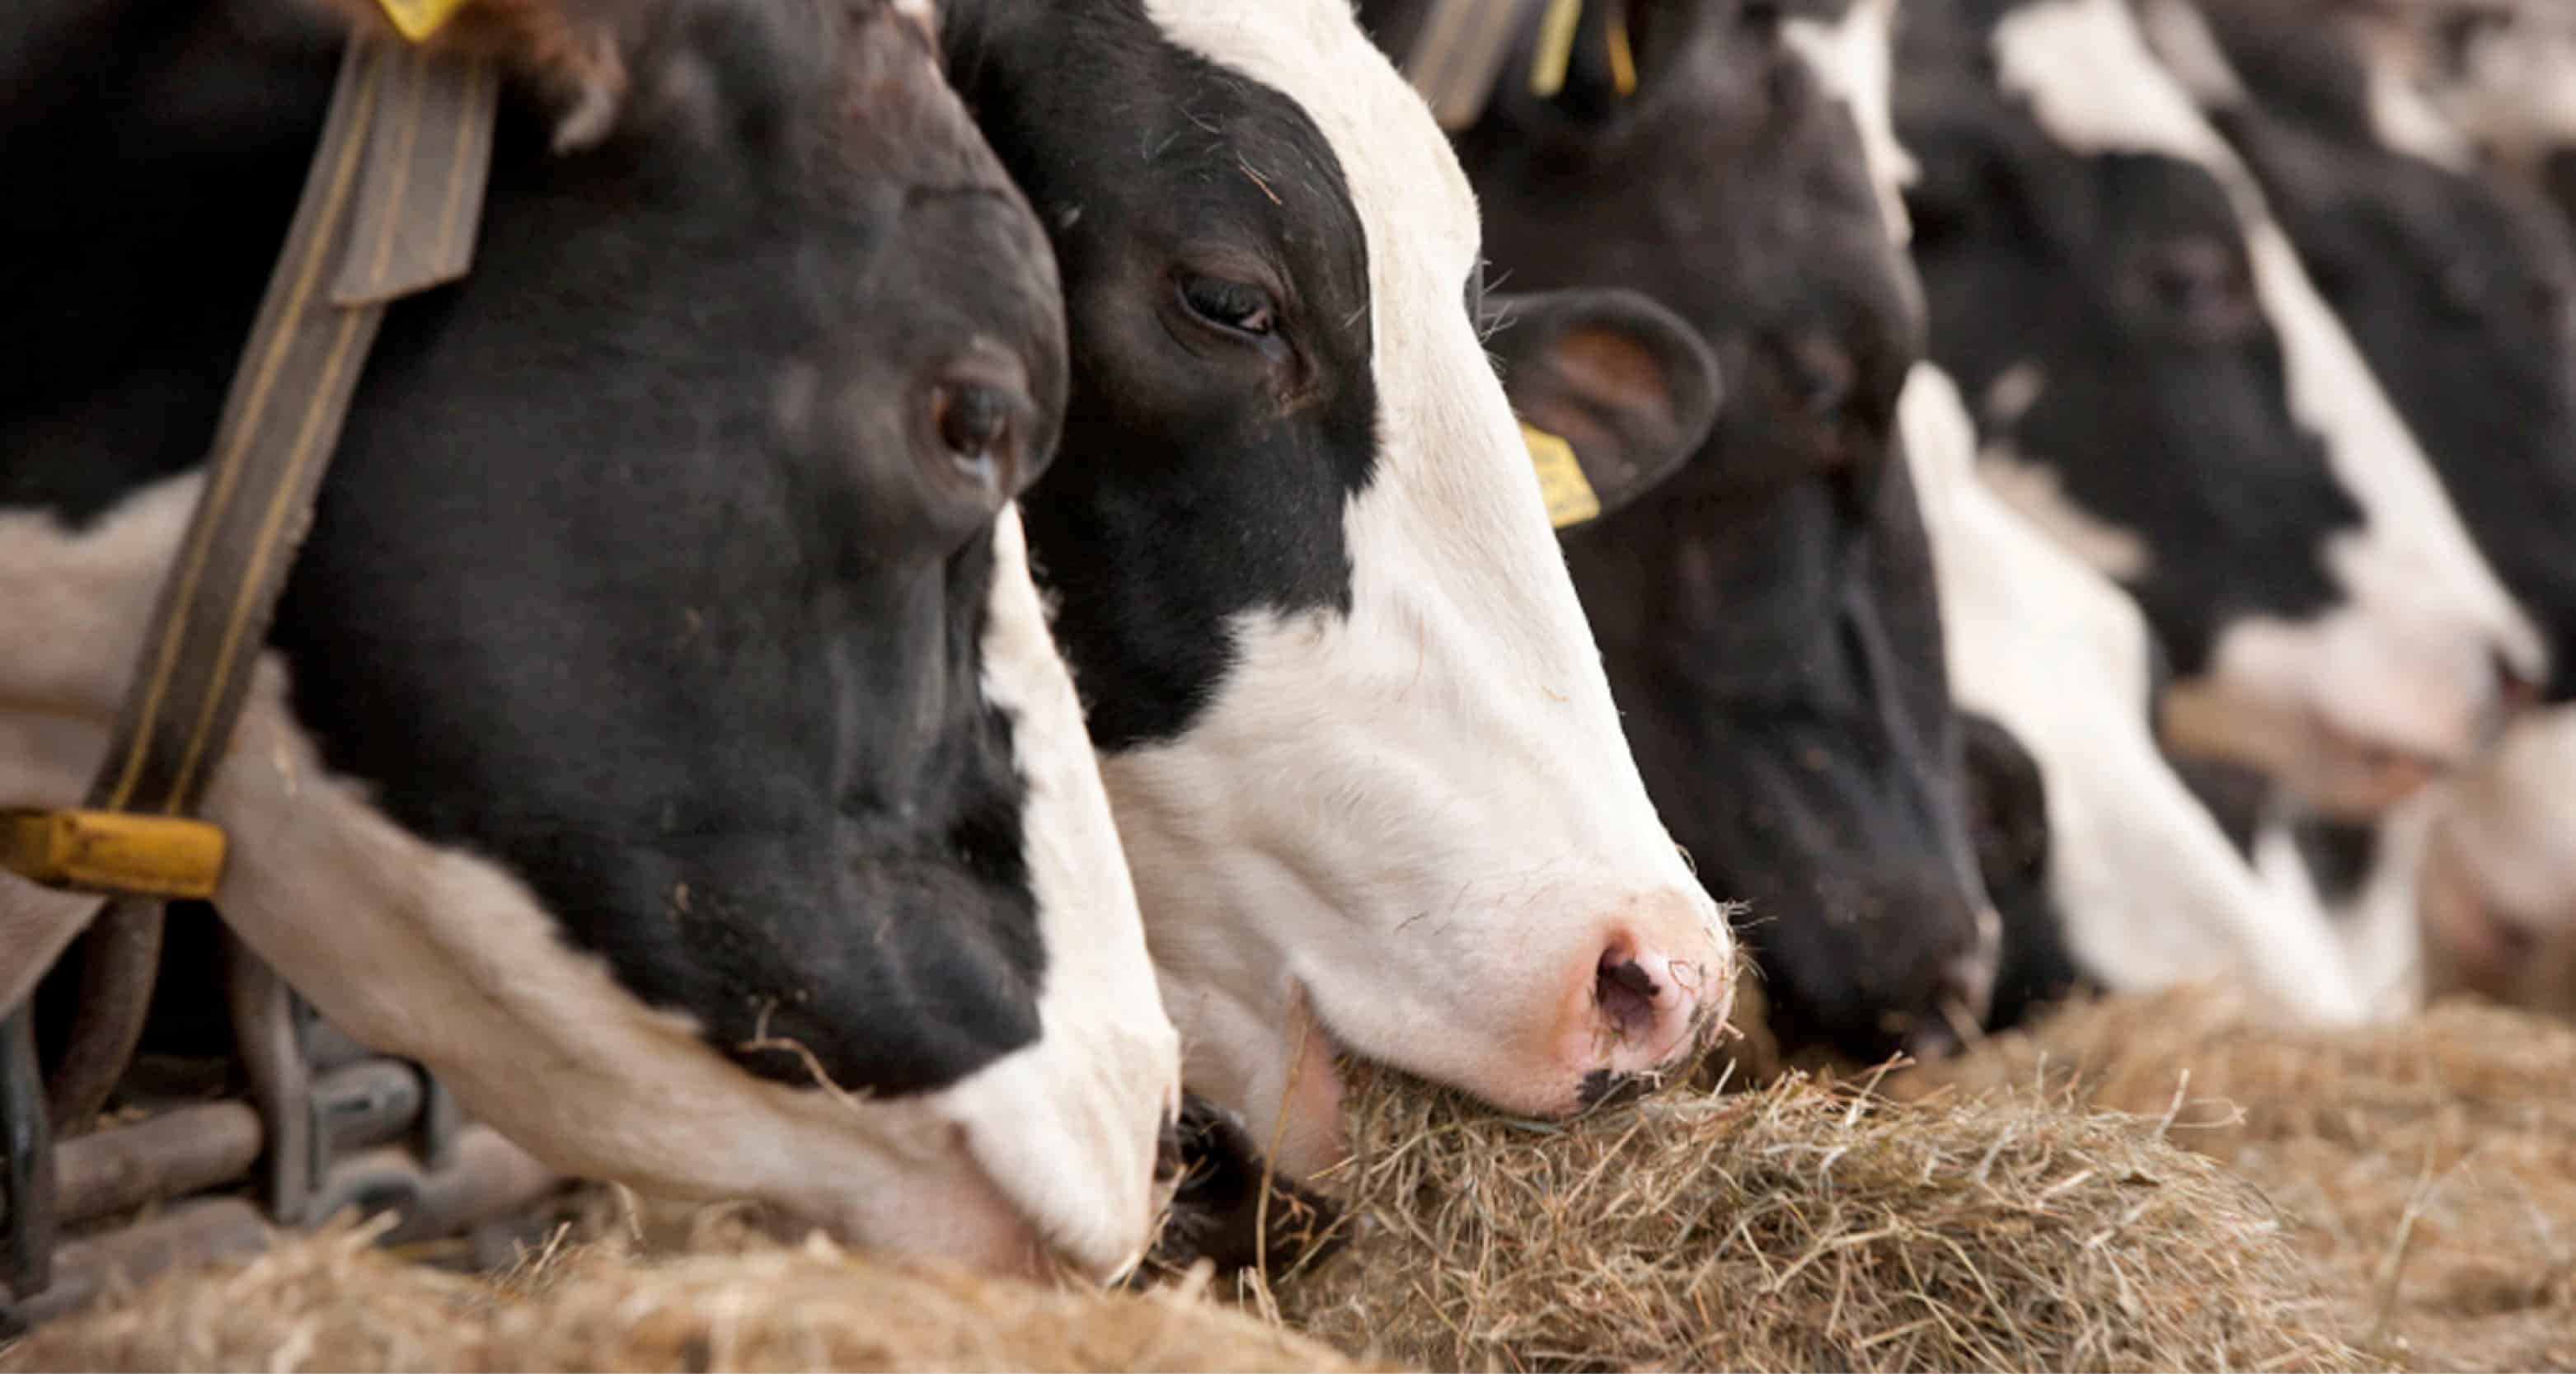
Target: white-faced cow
{"points": [[1354, 727], [660, 682], [2162, 389], [1767, 615]]}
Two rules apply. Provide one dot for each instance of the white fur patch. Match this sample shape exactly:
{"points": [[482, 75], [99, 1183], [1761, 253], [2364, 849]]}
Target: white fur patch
{"points": [[2180, 35], [2033, 490], [2403, 120], [2407, 663], [1850, 58], [441, 955], [2514, 87], [1426, 815]]}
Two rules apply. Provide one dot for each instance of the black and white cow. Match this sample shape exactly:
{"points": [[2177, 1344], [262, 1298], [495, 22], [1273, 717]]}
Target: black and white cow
{"points": [[2459, 286], [2102, 865], [2162, 389], [1354, 726], [660, 715], [1767, 615]]}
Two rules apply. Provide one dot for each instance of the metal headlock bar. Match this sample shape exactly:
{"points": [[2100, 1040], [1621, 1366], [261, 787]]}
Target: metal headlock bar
{"points": [[390, 207]]}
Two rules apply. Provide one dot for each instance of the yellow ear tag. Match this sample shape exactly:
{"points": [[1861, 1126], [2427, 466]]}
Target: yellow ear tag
{"points": [[418, 19], [1623, 59], [1555, 47], [1570, 499]]}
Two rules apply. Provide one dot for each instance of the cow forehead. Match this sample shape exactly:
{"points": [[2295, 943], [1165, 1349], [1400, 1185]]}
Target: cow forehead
{"points": [[1850, 56], [1406, 186], [2093, 86]]}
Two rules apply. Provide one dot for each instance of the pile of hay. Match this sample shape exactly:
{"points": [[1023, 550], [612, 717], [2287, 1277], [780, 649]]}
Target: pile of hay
{"points": [[1798, 1228], [332, 1301], [2429, 1165]]}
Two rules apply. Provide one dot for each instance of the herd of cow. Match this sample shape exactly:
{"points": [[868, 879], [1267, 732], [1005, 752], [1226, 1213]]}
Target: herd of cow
{"points": [[992, 557]]}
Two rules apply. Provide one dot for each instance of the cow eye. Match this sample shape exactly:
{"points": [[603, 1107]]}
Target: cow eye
{"points": [[1238, 306], [2200, 282], [974, 423]]}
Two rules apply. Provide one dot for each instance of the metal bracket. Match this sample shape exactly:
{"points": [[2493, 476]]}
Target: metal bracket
{"points": [[269, 1031], [27, 1221]]}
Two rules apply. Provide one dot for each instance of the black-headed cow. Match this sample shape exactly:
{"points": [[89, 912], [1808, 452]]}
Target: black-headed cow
{"points": [[2161, 387], [1767, 614], [1355, 729], [660, 714]]}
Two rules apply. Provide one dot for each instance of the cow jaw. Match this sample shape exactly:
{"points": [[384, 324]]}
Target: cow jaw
{"points": [[1420, 810], [443, 956]]}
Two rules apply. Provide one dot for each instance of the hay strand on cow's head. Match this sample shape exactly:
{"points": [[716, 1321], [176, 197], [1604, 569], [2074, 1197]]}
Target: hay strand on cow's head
{"points": [[332, 1301], [1799, 1228]]}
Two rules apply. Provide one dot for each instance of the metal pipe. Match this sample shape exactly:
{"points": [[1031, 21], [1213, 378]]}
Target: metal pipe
{"points": [[179, 1152], [120, 960], [281, 1082], [191, 1233]]}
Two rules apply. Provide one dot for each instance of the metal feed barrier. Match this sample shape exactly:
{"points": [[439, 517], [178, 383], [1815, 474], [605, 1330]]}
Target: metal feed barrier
{"points": [[321, 1125]]}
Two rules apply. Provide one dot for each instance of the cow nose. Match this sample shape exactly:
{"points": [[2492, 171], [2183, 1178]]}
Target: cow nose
{"points": [[2515, 693], [1961, 995], [1649, 997]]}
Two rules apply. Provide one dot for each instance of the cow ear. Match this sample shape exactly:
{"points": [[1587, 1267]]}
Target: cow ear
{"points": [[1613, 391]]}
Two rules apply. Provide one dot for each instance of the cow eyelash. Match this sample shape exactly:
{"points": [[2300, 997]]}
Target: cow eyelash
{"points": [[1233, 305]]}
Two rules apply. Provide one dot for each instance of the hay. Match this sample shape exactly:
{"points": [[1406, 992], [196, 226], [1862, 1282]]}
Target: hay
{"points": [[1799, 1228], [2429, 1166], [333, 1301]]}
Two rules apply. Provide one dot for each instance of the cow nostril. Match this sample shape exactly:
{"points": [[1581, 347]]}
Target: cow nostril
{"points": [[2515, 693], [1627, 994]]}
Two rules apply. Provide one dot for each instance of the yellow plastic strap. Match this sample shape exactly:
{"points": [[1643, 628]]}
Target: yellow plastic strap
{"points": [[418, 19], [1555, 47], [113, 852], [1570, 498]]}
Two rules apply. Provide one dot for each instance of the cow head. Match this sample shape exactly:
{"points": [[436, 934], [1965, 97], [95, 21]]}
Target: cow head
{"points": [[1355, 729], [660, 717], [1767, 615], [2455, 284], [2161, 387], [2138, 884]]}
